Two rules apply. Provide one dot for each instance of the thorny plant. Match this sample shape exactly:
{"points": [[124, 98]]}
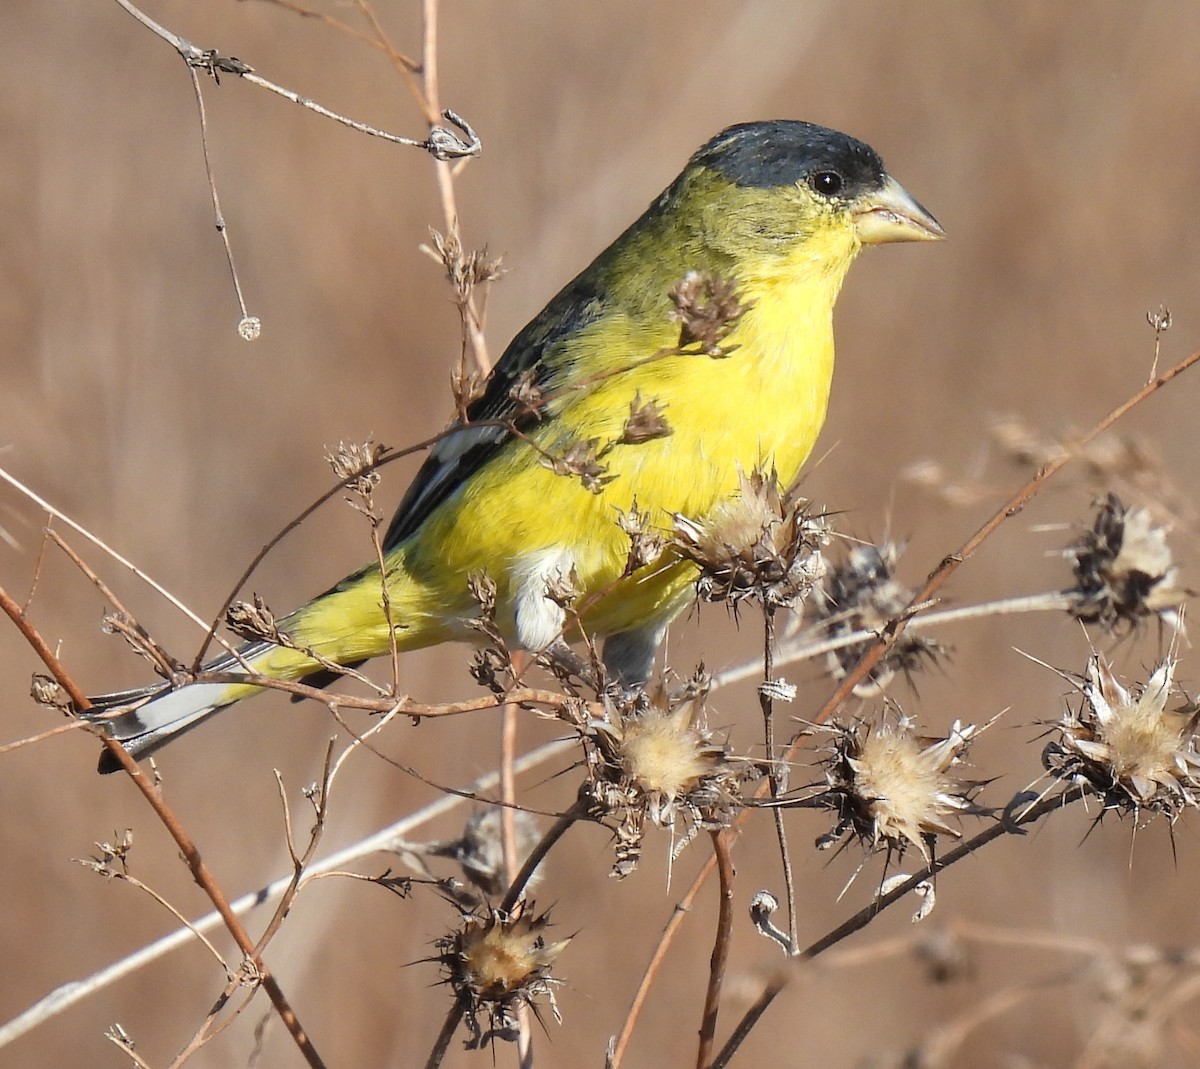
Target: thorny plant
{"points": [[650, 759]]}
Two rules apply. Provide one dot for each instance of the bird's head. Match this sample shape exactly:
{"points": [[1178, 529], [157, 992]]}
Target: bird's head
{"points": [[786, 197]]}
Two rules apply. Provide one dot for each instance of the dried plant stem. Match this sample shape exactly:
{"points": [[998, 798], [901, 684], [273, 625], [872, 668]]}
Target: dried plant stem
{"points": [[43, 504], [1014, 820], [682, 908], [809, 644], [537, 855], [953, 561], [249, 332], [442, 144], [385, 703], [145, 642], [300, 862], [62, 729], [721, 945], [344, 27], [200, 871], [449, 1027], [472, 319], [767, 702], [389, 838], [508, 839]]}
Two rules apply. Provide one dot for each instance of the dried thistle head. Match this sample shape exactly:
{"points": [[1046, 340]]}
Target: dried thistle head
{"points": [[893, 788], [646, 422], [652, 758], [253, 620], [707, 308], [762, 543], [1127, 746], [1123, 569], [355, 461], [496, 962], [862, 594], [646, 541], [583, 460]]}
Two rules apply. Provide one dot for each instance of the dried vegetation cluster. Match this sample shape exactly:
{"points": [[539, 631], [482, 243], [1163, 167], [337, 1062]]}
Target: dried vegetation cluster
{"points": [[677, 757]]}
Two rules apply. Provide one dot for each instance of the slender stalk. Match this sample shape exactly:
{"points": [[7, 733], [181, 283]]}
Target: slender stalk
{"points": [[766, 700], [1011, 824], [721, 945], [199, 869]]}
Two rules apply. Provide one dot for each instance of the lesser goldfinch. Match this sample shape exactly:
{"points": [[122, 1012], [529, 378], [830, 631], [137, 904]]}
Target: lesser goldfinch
{"points": [[528, 490]]}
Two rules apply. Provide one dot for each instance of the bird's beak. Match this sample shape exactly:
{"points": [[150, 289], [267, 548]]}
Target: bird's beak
{"points": [[890, 214]]}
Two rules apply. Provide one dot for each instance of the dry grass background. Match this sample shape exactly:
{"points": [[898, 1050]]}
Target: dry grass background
{"points": [[1059, 146]]}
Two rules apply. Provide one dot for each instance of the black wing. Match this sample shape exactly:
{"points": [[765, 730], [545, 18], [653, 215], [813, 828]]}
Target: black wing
{"points": [[465, 450]]}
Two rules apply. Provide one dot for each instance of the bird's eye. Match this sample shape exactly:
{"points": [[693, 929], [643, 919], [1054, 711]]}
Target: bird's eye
{"points": [[826, 183]]}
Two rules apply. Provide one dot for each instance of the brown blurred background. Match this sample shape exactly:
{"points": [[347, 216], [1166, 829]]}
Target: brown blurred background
{"points": [[1058, 144]]}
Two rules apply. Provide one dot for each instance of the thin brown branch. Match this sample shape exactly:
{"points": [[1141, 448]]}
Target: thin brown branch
{"points": [[58, 514], [165, 663], [721, 945], [1014, 820], [344, 27], [38, 564], [300, 862], [248, 325], [449, 1027], [74, 725], [682, 908], [537, 855], [952, 562], [386, 704], [196, 864], [766, 701], [441, 143]]}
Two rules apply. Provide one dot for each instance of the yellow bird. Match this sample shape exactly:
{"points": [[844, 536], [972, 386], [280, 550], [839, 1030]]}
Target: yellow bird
{"points": [[771, 214]]}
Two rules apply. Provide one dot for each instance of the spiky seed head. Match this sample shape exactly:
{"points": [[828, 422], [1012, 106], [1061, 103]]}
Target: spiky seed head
{"points": [[863, 594], [1127, 745], [652, 758], [894, 788], [1123, 569], [762, 543], [497, 961]]}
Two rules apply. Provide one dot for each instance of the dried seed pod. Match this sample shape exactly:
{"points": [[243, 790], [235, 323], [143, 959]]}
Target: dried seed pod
{"points": [[893, 788], [1127, 745], [862, 594], [763, 544], [651, 758], [495, 963], [1123, 569]]}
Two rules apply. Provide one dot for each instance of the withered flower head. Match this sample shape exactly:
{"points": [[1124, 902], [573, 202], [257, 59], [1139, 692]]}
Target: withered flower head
{"points": [[762, 543], [893, 789], [495, 963], [707, 309], [1127, 746], [582, 460], [652, 758], [646, 422], [862, 594], [356, 462], [1123, 569], [252, 620], [645, 541]]}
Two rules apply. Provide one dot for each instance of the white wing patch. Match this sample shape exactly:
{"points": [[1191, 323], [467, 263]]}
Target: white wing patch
{"points": [[540, 620]]}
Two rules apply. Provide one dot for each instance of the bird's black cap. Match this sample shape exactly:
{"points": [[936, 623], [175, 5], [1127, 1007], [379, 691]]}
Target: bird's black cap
{"points": [[784, 151]]}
